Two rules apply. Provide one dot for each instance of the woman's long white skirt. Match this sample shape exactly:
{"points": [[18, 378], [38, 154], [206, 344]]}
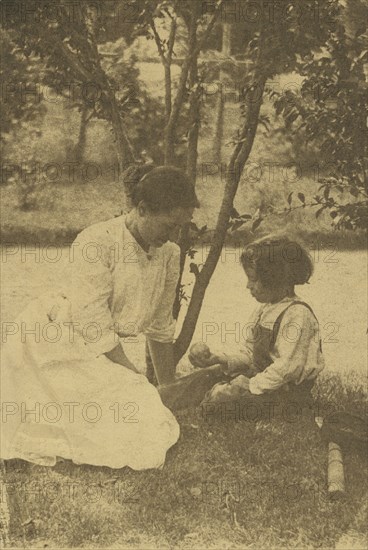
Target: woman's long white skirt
{"points": [[57, 400]]}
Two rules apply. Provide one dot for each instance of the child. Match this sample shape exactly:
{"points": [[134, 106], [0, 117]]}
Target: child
{"points": [[283, 355]]}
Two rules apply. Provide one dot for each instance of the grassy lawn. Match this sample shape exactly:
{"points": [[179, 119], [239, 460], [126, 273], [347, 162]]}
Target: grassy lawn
{"points": [[225, 485]]}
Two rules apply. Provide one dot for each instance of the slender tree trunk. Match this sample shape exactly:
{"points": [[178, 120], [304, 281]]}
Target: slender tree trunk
{"points": [[189, 69], [192, 151], [171, 126], [234, 171], [219, 126], [194, 107], [124, 149], [94, 73], [167, 68], [82, 137]]}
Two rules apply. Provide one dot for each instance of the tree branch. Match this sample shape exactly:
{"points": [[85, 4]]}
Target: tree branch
{"points": [[178, 101], [158, 41], [171, 41], [236, 165]]}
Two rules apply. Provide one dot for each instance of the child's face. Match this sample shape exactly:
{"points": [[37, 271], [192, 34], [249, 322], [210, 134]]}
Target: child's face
{"points": [[262, 293]]}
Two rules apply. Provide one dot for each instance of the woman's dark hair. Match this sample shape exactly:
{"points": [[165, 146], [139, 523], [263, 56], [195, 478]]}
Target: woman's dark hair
{"points": [[162, 188], [278, 261]]}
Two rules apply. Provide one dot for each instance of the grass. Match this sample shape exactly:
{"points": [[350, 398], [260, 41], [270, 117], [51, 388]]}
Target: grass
{"points": [[273, 472], [63, 211]]}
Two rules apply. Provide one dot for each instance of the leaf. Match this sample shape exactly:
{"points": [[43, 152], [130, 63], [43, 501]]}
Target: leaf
{"points": [[301, 197], [191, 253], [256, 223], [319, 211], [234, 213], [193, 268], [290, 198], [236, 225]]}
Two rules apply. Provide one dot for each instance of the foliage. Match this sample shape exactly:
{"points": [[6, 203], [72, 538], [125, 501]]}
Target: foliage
{"points": [[142, 113], [81, 65], [330, 111], [21, 112], [20, 101]]}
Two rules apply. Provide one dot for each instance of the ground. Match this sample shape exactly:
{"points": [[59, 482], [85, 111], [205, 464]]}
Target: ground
{"points": [[227, 485]]}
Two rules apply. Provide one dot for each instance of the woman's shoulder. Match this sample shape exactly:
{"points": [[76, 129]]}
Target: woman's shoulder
{"points": [[103, 231]]}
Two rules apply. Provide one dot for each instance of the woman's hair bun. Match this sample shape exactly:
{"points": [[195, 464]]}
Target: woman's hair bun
{"points": [[132, 176]]}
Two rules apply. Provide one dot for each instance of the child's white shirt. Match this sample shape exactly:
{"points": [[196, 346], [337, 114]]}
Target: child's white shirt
{"points": [[296, 355]]}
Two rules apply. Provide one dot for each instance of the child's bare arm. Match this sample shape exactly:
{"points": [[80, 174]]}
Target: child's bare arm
{"points": [[240, 363], [202, 357]]}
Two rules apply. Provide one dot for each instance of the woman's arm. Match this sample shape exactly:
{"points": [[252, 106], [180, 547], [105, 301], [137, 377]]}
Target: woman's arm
{"points": [[90, 286], [162, 354], [160, 333]]}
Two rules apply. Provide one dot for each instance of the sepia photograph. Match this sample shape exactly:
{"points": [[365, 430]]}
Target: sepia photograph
{"points": [[183, 275]]}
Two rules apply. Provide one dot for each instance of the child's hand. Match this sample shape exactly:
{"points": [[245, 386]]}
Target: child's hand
{"points": [[201, 357]]}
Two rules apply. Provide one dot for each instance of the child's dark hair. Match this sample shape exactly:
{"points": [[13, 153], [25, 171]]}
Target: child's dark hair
{"points": [[162, 188], [278, 261]]}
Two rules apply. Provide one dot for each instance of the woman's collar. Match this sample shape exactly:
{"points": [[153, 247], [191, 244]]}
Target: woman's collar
{"points": [[129, 237]]}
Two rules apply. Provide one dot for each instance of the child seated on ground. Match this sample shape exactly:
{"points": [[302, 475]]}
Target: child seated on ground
{"points": [[282, 355]]}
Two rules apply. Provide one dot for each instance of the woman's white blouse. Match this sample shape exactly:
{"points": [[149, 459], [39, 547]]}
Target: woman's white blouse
{"points": [[117, 289]]}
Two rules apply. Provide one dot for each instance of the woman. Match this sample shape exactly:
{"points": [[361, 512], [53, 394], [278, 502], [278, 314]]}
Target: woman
{"points": [[68, 389]]}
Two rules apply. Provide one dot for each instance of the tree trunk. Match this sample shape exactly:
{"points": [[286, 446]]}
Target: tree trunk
{"points": [[82, 137], [192, 150], [193, 53], [194, 106], [167, 69], [219, 127], [234, 171], [124, 149]]}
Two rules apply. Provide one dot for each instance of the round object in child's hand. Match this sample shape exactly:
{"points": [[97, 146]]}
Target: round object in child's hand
{"points": [[200, 350], [199, 353]]}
